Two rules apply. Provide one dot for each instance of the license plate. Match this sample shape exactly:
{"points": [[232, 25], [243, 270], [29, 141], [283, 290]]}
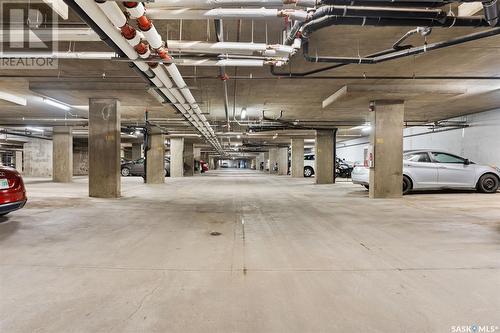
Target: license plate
{"points": [[3, 183]]}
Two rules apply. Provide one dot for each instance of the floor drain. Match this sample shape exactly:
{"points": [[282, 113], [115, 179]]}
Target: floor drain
{"points": [[215, 233]]}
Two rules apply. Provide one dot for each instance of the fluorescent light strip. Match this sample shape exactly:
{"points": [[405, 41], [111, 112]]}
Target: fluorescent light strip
{"points": [[57, 104], [13, 98]]}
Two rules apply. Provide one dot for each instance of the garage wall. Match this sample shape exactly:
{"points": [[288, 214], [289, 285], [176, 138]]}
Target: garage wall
{"points": [[37, 158], [480, 142]]}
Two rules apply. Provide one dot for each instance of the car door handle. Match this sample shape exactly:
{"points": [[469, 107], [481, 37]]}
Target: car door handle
{"points": [[443, 167]]}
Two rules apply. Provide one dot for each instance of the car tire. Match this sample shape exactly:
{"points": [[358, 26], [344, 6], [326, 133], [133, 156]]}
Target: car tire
{"points": [[125, 172], [407, 185], [367, 186], [488, 183], [308, 171]]}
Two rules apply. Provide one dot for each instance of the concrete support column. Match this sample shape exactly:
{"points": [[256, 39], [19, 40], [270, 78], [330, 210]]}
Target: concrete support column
{"points": [[104, 148], [136, 151], [325, 165], [386, 138], [197, 157], [188, 159], [155, 159], [19, 161], [297, 158], [62, 154], [273, 159], [266, 160], [212, 163], [253, 164], [283, 161], [177, 157]]}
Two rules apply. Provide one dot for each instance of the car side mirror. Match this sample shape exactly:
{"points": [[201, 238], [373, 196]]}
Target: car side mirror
{"points": [[467, 161]]}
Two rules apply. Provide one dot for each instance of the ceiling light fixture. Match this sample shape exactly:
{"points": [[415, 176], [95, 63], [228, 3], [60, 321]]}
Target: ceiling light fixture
{"points": [[34, 129], [243, 114], [13, 98], [57, 104]]}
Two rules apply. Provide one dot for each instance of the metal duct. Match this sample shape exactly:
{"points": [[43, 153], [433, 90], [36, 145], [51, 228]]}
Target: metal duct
{"points": [[491, 12]]}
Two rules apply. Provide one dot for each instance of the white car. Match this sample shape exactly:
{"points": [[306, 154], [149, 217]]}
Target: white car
{"points": [[431, 169]]}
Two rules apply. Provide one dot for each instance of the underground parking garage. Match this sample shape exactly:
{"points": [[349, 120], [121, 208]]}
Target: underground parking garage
{"points": [[249, 166]]}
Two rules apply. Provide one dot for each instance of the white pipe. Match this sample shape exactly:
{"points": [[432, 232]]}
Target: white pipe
{"points": [[61, 55], [97, 15], [51, 35], [217, 13], [214, 3], [114, 13], [222, 62], [228, 47], [162, 80]]}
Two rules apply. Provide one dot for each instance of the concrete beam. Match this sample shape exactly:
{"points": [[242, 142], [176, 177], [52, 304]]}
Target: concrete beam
{"points": [[470, 8], [386, 138], [62, 154], [104, 148]]}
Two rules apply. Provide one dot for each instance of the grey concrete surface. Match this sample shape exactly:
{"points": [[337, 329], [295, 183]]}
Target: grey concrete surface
{"points": [[62, 154], [176, 157], [324, 164], [292, 256], [386, 138], [104, 148], [297, 158]]}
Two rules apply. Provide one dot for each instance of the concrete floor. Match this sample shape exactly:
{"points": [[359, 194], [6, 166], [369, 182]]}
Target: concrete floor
{"points": [[291, 257]]}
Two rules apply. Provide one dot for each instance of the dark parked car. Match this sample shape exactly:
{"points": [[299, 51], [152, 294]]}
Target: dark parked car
{"points": [[136, 168], [12, 191]]}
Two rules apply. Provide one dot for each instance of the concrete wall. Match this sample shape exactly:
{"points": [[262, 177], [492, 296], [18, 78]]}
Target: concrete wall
{"points": [[38, 158], [80, 160], [479, 142]]}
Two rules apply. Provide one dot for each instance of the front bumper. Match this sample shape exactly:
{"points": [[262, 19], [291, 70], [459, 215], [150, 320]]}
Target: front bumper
{"points": [[12, 206]]}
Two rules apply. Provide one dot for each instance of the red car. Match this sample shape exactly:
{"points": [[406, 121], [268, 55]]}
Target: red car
{"points": [[12, 191]]}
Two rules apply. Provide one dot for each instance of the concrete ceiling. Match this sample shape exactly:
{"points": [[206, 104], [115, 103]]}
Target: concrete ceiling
{"points": [[75, 81]]}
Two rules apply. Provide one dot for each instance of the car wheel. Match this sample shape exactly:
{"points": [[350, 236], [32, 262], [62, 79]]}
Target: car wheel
{"points": [[125, 172], [308, 172], [488, 183], [406, 185]]}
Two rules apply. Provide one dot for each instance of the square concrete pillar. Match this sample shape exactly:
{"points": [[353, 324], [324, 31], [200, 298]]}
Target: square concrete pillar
{"points": [[62, 154], [297, 158], [177, 157], [136, 151], [188, 159], [104, 148], [155, 159], [386, 138], [19, 161], [283, 161], [197, 158], [325, 156], [273, 159], [266, 161]]}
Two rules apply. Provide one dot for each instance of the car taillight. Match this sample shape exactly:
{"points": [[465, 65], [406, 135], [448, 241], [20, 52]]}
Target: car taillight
{"points": [[13, 181]]}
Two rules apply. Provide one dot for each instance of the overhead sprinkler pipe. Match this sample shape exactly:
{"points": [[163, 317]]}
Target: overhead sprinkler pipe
{"points": [[95, 16]]}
